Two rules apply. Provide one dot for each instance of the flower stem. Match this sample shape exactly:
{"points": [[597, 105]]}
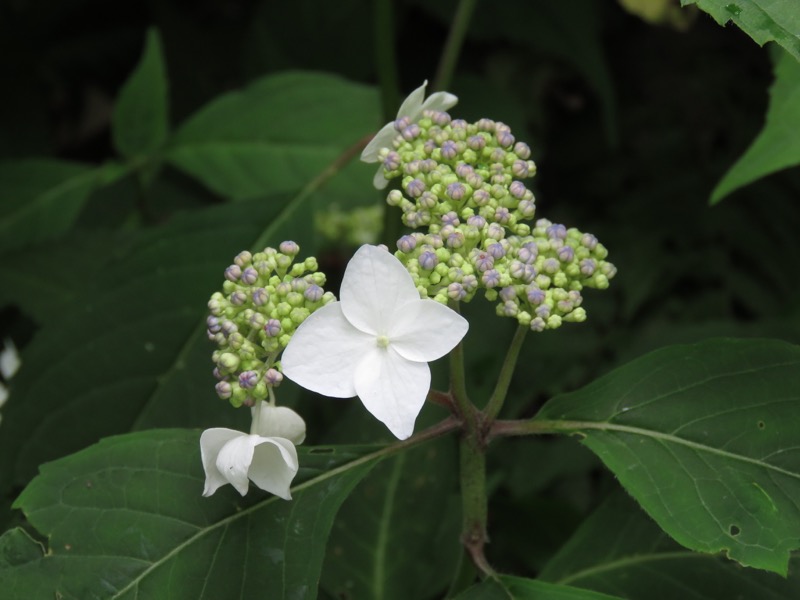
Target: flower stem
{"points": [[386, 61], [452, 47], [472, 452], [458, 387], [504, 380]]}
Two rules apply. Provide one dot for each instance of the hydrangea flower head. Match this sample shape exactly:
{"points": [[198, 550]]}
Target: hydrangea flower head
{"points": [[410, 111], [376, 342]]}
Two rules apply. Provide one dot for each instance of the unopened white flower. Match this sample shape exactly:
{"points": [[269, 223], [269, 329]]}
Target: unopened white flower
{"points": [[376, 342], [9, 360], [412, 107], [267, 456]]}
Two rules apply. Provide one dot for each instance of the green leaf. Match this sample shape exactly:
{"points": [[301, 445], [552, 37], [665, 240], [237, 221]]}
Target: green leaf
{"points": [[397, 534], [18, 548], [40, 199], [506, 587], [776, 147], [133, 353], [275, 135], [701, 435], [763, 20], [140, 121], [619, 550], [125, 519]]}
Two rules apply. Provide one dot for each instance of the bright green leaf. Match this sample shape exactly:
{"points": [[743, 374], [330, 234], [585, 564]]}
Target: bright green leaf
{"points": [[275, 135], [699, 434], [516, 588], [777, 145], [763, 20], [40, 199], [397, 534], [125, 519], [619, 550], [140, 121]]}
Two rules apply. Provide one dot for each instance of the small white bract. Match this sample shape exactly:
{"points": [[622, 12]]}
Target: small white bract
{"points": [[376, 342], [412, 107], [267, 456], [9, 360]]}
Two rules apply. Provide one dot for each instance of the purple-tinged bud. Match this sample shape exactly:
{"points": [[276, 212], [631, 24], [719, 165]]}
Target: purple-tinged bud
{"points": [[483, 261], [249, 276], [481, 197], [535, 295], [496, 250], [463, 170], [429, 146], [260, 297], [392, 161], [510, 308], [313, 293], [519, 270], [248, 379], [299, 285], [455, 240], [608, 269], [217, 374], [228, 328], [495, 231], [517, 189], [440, 117], [455, 291], [565, 254], [564, 306], [556, 231], [224, 390], [537, 324], [504, 138], [428, 165], [476, 220], [588, 241], [485, 125], [243, 259], [470, 282], [543, 311], [520, 168], [450, 218], [238, 298], [528, 252], [458, 124], [272, 328], [411, 132], [476, 142], [527, 208], [428, 260], [490, 278], [456, 191], [415, 188], [406, 244], [402, 123], [289, 248], [502, 215], [427, 200], [498, 156], [273, 377], [522, 150], [449, 150], [550, 266], [233, 273], [213, 324], [508, 294]]}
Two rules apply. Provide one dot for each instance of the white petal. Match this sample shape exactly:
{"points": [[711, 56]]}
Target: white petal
{"points": [[375, 287], [379, 181], [426, 330], [440, 101], [382, 139], [274, 466], [412, 106], [234, 459], [393, 389], [324, 352], [9, 360], [281, 422], [211, 442]]}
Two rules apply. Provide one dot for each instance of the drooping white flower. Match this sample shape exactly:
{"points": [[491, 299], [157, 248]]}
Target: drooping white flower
{"points": [[376, 342], [412, 107], [267, 456]]}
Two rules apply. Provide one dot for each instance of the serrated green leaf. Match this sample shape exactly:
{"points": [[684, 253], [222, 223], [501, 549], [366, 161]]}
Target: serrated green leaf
{"points": [[763, 20], [275, 135], [506, 587], [619, 550], [140, 122], [397, 534], [776, 147], [133, 353], [701, 435], [41, 198], [125, 519]]}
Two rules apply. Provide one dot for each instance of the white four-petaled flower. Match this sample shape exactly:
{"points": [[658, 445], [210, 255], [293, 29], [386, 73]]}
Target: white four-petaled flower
{"points": [[267, 457], [376, 342], [412, 107]]}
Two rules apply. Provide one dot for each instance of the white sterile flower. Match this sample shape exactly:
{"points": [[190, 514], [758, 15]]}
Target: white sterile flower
{"points": [[412, 107], [376, 342], [267, 456], [9, 360]]}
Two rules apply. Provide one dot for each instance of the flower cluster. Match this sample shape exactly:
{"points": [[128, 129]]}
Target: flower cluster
{"points": [[463, 183], [264, 298]]}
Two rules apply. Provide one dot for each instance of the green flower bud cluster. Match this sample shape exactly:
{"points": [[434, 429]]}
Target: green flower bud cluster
{"points": [[355, 227], [264, 298], [463, 183]]}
